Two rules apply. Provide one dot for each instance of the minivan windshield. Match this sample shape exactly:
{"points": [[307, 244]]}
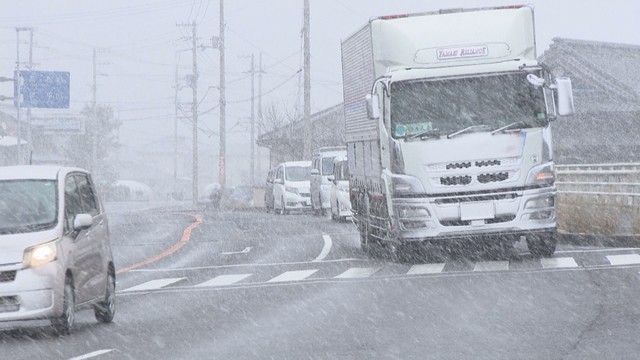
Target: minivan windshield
{"points": [[27, 205], [298, 173], [452, 104]]}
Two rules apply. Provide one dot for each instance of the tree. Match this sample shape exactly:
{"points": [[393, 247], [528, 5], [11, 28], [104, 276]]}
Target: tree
{"points": [[99, 126]]}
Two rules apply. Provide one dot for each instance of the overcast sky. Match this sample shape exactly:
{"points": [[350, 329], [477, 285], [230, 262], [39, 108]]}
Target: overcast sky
{"points": [[137, 43]]}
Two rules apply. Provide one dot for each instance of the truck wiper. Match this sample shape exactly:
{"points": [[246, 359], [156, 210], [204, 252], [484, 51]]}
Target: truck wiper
{"points": [[467, 129], [513, 125], [425, 134]]}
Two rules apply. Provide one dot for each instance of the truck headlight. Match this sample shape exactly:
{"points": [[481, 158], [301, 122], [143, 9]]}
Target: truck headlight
{"points": [[40, 254], [544, 174], [412, 213], [541, 202], [406, 185]]}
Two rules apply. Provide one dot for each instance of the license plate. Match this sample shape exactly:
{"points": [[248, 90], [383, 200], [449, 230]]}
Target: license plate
{"points": [[308, 202], [477, 211]]}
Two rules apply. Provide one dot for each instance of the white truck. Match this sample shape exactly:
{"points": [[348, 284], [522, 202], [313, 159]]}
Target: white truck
{"points": [[448, 129]]}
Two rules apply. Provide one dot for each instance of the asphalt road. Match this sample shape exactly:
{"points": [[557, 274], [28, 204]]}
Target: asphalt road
{"points": [[252, 285]]}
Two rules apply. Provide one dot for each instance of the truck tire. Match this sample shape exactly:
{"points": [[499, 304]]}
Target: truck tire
{"points": [[543, 244]]}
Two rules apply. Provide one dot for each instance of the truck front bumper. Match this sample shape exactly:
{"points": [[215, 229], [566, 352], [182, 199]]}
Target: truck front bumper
{"points": [[505, 214]]}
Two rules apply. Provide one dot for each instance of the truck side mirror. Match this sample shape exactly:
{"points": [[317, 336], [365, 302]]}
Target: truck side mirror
{"points": [[373, 107], [565, 96]]}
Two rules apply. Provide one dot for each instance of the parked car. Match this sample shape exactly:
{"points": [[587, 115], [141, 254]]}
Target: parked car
{"points": [[291, 186], [339, 198], [49, 265], [268, 190], [240, 197], [321, 169]]}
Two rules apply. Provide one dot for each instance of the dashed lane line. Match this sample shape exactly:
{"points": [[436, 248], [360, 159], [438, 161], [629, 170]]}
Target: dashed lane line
{"points": [[92, 354], [223, 280], [357, 273], [627, 259], [293, 275], [426, 269], [154, 284], [554, 263]]}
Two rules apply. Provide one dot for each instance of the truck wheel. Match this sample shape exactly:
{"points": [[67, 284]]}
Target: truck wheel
{"points": [[542, 245]]}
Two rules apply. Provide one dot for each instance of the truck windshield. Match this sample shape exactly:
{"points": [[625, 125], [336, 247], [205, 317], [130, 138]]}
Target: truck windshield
{"points": [[27, 205], [453, 104]]}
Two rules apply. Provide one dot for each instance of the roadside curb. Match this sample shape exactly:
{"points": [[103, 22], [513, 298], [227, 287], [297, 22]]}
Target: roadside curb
{"points": [[599, 240]]}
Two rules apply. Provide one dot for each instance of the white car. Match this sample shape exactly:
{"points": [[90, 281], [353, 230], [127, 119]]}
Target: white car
{"points": [[339, 196], [55, 253], [321, 169], [291, 187]]}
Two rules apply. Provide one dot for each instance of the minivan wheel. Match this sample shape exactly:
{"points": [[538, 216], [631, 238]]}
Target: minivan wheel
{"points": [[106, 309], [64, 322], [283, 207]]}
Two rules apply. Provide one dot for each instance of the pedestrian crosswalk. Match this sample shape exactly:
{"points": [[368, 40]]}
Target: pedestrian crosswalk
{"points": [[338, 273]]}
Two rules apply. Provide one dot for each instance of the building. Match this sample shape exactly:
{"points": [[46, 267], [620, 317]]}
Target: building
{"points": [[286, 143]]}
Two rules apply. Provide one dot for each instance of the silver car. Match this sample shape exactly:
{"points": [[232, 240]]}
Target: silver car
{"points": [[55, 254]]}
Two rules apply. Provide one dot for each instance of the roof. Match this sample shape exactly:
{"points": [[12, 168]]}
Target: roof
{"points": [[605, 76], [43, 172], [298, 125], [297, 163]]}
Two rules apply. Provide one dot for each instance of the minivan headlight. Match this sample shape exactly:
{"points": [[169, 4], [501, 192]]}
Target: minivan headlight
{"points": [[40, 254], [291, 190]]}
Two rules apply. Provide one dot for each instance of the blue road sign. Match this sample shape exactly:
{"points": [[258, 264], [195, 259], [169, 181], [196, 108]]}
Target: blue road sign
{"points": [[42, 89]]}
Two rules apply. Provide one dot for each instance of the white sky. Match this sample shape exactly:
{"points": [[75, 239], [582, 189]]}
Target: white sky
{"points": [[138, 41]]}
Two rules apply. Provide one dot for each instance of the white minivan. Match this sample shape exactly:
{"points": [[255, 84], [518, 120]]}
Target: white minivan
{"points": [[291, 187], [55, 254], [340, 197], [321, 170]]}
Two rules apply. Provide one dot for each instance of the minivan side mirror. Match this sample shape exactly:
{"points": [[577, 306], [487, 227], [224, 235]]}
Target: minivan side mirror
{"points": [[315, 172], [331, 178], [82, 222], [279, 181], [565, 96]]}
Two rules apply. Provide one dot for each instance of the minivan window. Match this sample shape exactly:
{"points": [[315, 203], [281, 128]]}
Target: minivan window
{"points": [[89, 204], [27, 205], [298, 173], [72, 202]]}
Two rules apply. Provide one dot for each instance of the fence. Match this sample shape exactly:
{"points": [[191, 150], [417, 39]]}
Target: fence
{"points": [[599, 199]]}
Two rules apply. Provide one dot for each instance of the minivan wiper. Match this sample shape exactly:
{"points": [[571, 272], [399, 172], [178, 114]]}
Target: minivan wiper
{"points": [[435, 133], [467, 129], [512, 126]]}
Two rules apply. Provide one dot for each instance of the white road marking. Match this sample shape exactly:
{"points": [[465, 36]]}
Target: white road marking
{"points": [[325, 249], [426, 269], [222, 280], [293, 275], [246, 250], [552, 263], [491, 266], [92, 354], [357, 273], [628, 259], [154, 284], [245, 265]]}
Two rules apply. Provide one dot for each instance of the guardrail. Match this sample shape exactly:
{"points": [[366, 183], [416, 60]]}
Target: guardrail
{"points": [[599, 199]]}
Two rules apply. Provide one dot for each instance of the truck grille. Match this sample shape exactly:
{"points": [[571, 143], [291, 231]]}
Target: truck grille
{"points": [[455, 180], [463, 165], [497, 177], [6, 276], [496, 220]]}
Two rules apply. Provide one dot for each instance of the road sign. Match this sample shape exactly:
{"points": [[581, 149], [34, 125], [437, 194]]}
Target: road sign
{"points": [[42, 89]]}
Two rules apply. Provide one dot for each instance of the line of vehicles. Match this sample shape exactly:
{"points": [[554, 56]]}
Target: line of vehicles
{"points": [[320, 185], [448, 132]]}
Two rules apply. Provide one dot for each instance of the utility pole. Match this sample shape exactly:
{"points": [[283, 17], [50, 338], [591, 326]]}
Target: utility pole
{"points": [[30, 68], [194, 110], [94, 112], [259, 165], [307, 84], [222, 165], [175, 134], [252, 174], [18, 98]]}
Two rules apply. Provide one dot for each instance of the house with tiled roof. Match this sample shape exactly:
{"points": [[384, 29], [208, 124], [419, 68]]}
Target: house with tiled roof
{"points": [[606, 86]]}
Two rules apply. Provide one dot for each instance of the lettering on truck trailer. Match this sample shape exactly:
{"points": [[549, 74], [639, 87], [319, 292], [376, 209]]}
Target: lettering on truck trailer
{"points": [[463, 52]]}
